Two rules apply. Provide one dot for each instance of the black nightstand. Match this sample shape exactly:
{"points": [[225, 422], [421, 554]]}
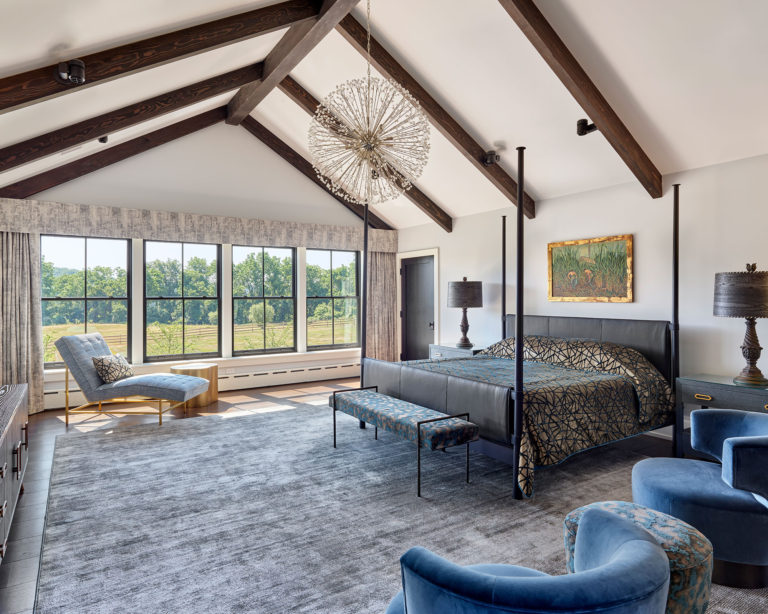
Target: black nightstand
{"points": [[451, 351], [712, 391]]}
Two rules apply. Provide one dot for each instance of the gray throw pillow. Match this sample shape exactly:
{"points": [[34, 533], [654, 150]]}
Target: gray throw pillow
{"points": [[112, 368]]}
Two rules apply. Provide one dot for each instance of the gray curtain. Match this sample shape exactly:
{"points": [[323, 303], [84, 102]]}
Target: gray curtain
{"points": [[382, 306], [21, 327]]}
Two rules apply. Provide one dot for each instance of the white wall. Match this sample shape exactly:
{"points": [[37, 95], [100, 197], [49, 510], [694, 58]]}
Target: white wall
{"points": [[222, 170], [724, 225]]}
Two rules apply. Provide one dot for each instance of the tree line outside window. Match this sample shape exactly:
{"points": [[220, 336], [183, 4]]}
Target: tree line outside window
{"points": [[333, 300], [86, 288], [181, 300]]}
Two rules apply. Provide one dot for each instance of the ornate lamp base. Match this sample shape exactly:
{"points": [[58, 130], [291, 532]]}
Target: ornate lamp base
{"points": [[464, 342], [751, 374]]}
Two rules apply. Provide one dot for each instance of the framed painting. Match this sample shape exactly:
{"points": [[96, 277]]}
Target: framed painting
{"points": [[591, 270]]}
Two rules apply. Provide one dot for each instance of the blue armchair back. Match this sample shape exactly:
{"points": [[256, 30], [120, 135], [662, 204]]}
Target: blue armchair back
{"points": [[739, 440], [620, 568]]}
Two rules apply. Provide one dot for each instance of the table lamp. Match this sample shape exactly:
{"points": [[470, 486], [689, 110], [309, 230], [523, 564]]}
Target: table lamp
{"points": [[744, 295], [465, 294]]}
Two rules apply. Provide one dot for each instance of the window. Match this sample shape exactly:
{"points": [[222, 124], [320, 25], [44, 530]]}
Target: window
{"points": [[181, 300], [263, 300], [333, 299], [85, 289]]}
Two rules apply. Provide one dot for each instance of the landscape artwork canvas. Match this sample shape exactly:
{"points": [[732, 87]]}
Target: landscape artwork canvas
{"points": [[591, 270]]}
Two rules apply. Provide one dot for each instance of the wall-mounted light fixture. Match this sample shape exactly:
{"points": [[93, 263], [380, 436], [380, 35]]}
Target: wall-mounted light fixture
{"points": [[584, 127], [490, 158], [71, 72]]}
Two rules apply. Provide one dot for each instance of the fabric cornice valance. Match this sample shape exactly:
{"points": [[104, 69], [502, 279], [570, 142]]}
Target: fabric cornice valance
{"points": [[121, 223]]}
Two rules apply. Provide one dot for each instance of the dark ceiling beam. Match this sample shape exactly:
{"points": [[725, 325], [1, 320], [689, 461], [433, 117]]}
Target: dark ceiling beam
{"points": [[108, 123], [309, 103], [67, 172], [298, 162], [355, 33], [555, 53], [289, 51], [38, 84]]}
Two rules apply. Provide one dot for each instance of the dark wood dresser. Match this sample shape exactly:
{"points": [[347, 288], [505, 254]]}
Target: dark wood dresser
{"points": [[14, 444]]}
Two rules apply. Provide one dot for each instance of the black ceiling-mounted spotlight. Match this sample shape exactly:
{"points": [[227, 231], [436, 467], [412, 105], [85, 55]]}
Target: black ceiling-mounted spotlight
{"points": [[490, 158], [71, 73], [584, 127], [103, 139]]}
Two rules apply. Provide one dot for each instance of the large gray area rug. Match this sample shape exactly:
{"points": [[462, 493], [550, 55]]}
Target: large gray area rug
{"points": [[261, 514]]}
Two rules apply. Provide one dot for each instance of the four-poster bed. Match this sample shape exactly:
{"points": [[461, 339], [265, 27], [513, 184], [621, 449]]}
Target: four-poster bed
{"points": [[586, 381]]}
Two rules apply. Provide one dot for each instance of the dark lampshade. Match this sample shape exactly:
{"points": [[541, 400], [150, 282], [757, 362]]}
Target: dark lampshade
{"points": [[465, 293], [741, 295], [744, 295]]}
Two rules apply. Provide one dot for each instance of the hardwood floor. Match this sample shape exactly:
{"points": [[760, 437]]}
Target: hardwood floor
{"points": [[19, 569]]}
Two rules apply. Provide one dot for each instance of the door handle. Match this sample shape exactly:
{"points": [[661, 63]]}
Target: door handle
{"points": [[431, 326]]}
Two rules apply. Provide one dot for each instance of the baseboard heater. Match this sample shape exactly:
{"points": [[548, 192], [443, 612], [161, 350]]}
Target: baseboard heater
{"points": [[54, 399]]}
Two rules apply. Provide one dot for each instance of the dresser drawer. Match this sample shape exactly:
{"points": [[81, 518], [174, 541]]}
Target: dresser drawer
{"points": [[724, 398], [447, 353]]}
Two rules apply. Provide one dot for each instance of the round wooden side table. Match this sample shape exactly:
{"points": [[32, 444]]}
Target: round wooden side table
{"points": [[206, 370]]}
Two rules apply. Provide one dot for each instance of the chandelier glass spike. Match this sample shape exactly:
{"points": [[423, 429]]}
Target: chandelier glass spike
{"points": [[369, 138]]}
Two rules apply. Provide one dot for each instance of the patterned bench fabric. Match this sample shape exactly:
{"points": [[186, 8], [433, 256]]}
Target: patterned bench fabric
{"points": [[689, 552], [402, 418]]}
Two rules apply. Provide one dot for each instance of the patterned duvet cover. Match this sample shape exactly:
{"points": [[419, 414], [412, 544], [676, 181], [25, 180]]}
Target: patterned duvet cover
{"points": [[578, 394]]}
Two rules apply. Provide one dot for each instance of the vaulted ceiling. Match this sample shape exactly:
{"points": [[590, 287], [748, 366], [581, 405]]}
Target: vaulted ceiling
{"points": [[686, 78]]}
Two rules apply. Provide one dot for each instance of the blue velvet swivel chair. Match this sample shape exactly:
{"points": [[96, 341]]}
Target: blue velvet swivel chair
{"points": [[619, 568], [726, 500]]}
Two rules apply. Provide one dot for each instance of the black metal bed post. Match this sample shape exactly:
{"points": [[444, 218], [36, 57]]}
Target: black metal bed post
{"points": [[675, 332], [674, 371], [519, 291], [364, 302], [503, 276]]}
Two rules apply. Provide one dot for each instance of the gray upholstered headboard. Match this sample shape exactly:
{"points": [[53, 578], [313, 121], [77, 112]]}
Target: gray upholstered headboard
{"points": [[649, 337]]}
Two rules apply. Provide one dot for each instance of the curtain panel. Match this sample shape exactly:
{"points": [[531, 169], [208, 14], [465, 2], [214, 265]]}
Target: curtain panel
{"points": [[381, 337], [21, 342]]}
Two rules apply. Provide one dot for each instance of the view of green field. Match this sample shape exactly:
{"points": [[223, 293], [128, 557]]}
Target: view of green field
{"points": [[181, 302]]}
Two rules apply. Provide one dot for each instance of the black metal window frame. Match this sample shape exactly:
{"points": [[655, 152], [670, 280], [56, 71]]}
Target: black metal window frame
{"points": [[183, 299], [264, 299], [86, 299], [333, 346]]}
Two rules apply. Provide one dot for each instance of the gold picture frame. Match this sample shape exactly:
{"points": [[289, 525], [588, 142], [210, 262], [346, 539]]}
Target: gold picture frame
{"points": [[591, 270]]}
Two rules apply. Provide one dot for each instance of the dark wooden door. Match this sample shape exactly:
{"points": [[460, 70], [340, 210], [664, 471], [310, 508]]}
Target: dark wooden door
{"points": [[417, 276]]}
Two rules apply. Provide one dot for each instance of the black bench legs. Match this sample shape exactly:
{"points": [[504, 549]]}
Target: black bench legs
{"points": [[465, 416], [335, 392]]}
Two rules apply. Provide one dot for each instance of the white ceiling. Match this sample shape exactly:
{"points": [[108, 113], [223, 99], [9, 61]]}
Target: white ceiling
{"points": [[687, 77]]}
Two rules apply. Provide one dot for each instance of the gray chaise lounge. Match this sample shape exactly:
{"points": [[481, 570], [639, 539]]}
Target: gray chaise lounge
{"points": [[78, 352]]}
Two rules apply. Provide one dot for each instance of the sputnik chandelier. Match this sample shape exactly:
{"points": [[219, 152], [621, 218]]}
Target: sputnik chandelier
{"points": [[369, 138]]}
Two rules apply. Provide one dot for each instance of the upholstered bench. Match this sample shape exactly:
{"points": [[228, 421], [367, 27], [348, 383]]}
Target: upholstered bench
{"points": [[429, 428], [689, 552]]}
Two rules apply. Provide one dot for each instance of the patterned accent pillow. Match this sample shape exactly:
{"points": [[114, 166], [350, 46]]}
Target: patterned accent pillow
{"points": [[112, 368]]}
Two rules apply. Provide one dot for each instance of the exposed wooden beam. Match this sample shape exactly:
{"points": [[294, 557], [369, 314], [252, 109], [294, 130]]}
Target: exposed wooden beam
{"points": [[38, 84], [298, 162], [49, 179], [289, 51], [355, 33], [95, 127], [309, 103], [555, 53]]}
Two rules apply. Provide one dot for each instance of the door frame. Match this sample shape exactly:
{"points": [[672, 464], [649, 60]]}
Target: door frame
{"points": [[399, 257]]}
